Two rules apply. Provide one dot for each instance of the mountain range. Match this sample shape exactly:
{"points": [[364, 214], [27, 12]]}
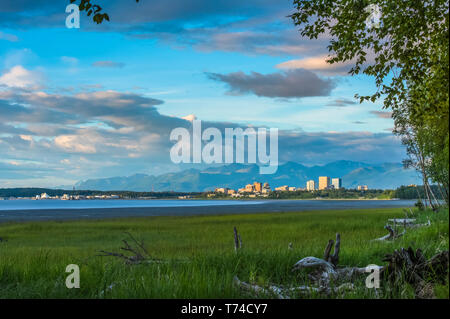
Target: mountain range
{"points": [[378, 176]]}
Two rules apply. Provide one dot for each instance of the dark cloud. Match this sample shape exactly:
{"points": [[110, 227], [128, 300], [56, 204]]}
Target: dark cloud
{"points": [[112, 108], [251, 40], [156, 11], [251, 27], [290, 84]]}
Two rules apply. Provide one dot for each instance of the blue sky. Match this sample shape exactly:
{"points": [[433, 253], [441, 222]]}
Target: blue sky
{"points": [[100, 101]]}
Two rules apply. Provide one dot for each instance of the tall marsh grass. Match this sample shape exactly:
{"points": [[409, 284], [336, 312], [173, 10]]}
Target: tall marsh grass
{"points": [[198, 251]]}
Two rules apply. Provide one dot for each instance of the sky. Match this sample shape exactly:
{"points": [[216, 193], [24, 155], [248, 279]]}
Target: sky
{"points": [[101, 100]]}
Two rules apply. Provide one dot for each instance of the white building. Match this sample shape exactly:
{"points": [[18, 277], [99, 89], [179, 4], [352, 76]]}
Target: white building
{"points": [[310, 185], [45, 196], [336, 183]]}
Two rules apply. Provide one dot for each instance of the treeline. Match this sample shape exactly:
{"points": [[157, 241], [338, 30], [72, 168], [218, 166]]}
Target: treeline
{"points": [[410, 192], [403, 192], [31, 192], [333, 194]]}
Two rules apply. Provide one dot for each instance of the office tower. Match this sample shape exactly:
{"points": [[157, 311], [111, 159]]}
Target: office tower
{"points": [[337, 183], [324, 182], [310, 185]]}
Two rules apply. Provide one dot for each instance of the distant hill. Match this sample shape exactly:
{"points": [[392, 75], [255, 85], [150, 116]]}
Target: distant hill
{"points": [[382, 176]]}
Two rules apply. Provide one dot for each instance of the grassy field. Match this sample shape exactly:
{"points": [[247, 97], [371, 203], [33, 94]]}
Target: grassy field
{"points": [[199, 253]]}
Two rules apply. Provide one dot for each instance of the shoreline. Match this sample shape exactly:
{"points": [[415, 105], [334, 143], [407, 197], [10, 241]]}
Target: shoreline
{"points": [[268, 206]]}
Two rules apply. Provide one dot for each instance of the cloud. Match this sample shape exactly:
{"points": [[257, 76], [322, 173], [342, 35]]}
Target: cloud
{"points": [[252, 27], [19, 77], [73, 136], [290, 84], [318, 64], [359, 122], [342, 102], [190, 117], [76, 143], [69, 60], [382, 114], [325, 147], [108, 64], [8, 37]]}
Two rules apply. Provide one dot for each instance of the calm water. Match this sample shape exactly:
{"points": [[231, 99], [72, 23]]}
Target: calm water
{"points": [[24, 204], [31, 210]]}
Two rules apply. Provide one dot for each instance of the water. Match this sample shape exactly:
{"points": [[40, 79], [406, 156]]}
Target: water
{"points": [[28, 204], [32, 210]]}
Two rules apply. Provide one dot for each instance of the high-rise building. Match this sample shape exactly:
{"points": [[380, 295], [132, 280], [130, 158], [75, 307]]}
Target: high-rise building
{"points": [[221, 190], [249, 188], [257, 186], [266, 188], [310, 185], [324, 182], [337, 183]]}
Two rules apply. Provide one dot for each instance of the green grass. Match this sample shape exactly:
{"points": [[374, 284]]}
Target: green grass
{"points": [[199, 251]]}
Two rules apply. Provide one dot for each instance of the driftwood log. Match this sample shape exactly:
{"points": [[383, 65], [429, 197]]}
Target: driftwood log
{"points": [[326, 272], [326, 277], [393, 234], [405, 222], [404, 266]]}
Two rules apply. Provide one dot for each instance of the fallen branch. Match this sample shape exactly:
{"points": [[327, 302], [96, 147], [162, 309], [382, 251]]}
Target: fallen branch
{"points": [[392, 234], [138, 252], [406, 222]]}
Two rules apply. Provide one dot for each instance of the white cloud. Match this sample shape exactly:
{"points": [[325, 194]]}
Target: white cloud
{"points": [[317, 64], [190, 117], [19, 77], [76, 143]]}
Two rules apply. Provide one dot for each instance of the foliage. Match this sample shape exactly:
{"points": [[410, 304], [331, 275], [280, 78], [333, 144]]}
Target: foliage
{"points": [[415, 192], [401, 48]]}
